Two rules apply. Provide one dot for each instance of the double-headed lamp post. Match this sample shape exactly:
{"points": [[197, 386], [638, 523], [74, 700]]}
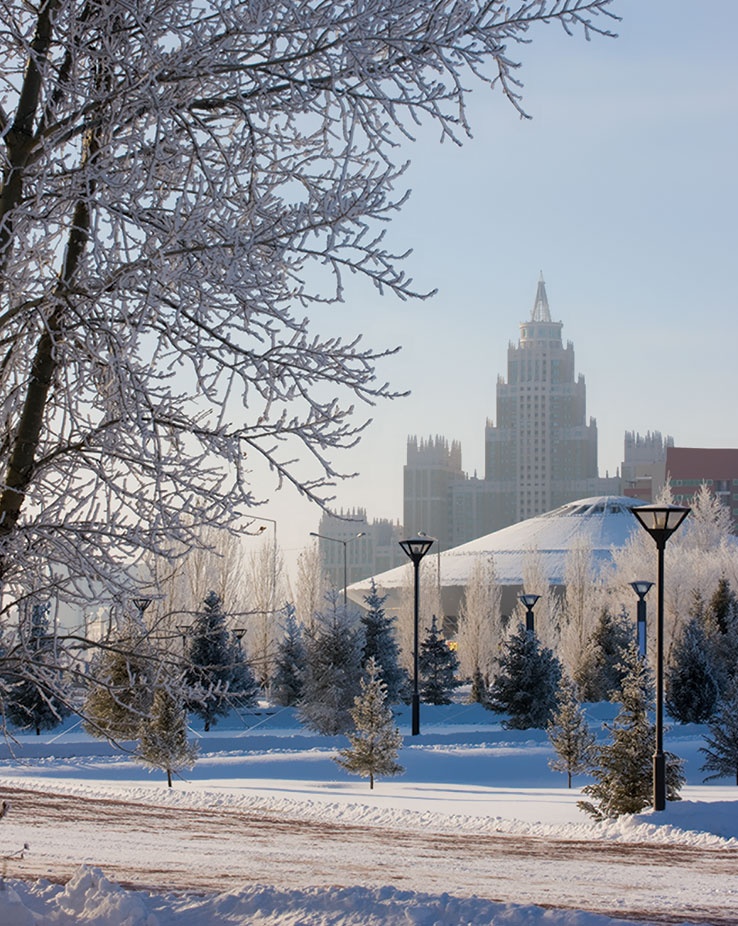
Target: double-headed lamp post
{"points": [[416, 548], [345, 555], [641, 588], [660, 521], [530, 602]]}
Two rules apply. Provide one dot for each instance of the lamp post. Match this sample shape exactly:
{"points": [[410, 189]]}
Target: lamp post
{"points": [[530, 602], [660, 521], [416, 548], [641, 588], [345, 555]]}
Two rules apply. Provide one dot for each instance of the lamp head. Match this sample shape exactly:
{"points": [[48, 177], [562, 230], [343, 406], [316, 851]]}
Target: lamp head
{"points": [[529, 600], [641, 588], [417, 547], [660, 521]]}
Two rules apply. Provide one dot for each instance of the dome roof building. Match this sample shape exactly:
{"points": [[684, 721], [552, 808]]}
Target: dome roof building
{"points": [[602, 524]]}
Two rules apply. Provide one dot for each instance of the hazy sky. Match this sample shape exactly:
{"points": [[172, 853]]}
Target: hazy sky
{"points": [[622, 190]]}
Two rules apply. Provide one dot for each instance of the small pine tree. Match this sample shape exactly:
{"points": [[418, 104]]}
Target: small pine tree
{"points": [[286, 688], [623, 768], [437, 668], [691, 691], [380, 644], [209, 662], [525, 688], [332, 671], [34, 696], [569, 734], [599, 672], [120, 692], [162, 741], [721, 749], [375, 742]]}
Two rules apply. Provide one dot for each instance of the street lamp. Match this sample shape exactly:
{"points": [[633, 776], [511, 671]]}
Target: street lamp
{"points": [[530, 602], [416, 548], [641, 588], [345, 556], [660, 521]]}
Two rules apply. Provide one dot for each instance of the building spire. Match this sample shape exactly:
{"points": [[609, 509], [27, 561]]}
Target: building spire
{"points": [[541, 311]]}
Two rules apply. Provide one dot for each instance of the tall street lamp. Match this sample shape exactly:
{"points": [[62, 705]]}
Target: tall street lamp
{"points": [[416, 548], [345, 555], [530, 602], [641, 588], [660, 521]]}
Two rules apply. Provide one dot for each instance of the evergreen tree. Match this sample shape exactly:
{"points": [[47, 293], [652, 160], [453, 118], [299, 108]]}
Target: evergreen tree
{"points": [[721, 630], [525, 688], [437, 668], [332, 670], [162, 741], [569, 734], [376, 740], [599, 673], [121, 689], [286, 689], [623, 768], [721, 749], [691, 690], [381, 645], [215, 670], [34, 685]]}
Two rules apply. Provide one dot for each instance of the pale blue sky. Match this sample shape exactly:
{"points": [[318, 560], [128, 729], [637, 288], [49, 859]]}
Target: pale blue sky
{"points": [[622, 190]]}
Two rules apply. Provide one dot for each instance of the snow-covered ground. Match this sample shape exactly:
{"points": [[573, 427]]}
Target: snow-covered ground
{"points": [[467, 783]]}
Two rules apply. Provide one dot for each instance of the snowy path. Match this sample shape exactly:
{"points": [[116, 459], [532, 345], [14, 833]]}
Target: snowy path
{"points": [[235, 847]]}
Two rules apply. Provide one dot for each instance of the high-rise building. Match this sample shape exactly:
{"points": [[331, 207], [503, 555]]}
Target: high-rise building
{"points": [[352, 547], [539, 454], [542, 452], [432, 470]]}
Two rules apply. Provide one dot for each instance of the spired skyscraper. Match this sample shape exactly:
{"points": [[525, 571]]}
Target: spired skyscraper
{"points": [[541, 452]]}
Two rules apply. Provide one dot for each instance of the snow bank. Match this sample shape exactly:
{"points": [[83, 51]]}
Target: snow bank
{"points": [[90, 899]]}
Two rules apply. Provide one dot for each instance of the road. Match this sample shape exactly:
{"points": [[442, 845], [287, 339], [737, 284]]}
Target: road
{"points": [[147, 846]]}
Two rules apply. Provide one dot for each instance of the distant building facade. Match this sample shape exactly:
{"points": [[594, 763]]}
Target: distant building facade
{"points": [[539, 454], [644, 464], [375, 551], [687, 468]]}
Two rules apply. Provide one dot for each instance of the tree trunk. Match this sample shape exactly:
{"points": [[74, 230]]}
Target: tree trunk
{"points": [[169, 778]]}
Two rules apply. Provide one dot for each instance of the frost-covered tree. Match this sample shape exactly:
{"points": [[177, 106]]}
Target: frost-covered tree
{"points": [[121, 687], [162, 737], [35, 694], [721, 741], [215, 671], [599, 671], [332, 669], [310, 585], [525, 687], [265, 583], [438, 667], [480, 621], [720, 617], [623, 768], [179, 183], [582, 604], [375, 740], [569, 733], [691, 690], [380, 644], [286, 688]]}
